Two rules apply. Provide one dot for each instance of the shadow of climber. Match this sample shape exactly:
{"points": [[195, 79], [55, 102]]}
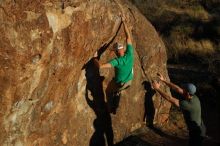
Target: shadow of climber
{"points": [[102, 124], [149, 105]]}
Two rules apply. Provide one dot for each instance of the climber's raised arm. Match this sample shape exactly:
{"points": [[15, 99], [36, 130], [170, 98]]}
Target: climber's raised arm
{"points": [[127, 32]]}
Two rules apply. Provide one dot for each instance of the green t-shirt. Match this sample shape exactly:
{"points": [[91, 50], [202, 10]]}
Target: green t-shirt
{"points": [[191, 111], [124, 66]]}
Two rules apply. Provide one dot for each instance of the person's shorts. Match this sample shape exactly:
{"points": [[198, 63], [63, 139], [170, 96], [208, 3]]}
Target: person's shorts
{"points": [[122, 86], [118, 87], [114, 87]]}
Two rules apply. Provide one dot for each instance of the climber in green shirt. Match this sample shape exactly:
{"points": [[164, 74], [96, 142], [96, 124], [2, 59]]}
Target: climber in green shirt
{"points": [[190, 105], [123, 63]]}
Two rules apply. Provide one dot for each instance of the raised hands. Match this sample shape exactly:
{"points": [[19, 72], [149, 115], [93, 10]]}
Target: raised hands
{"points": [[96, 54], [160, 76], [155, 85]]}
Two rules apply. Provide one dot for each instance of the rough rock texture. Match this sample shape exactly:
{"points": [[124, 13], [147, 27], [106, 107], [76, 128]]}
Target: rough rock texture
{"points": [[51, 93]]}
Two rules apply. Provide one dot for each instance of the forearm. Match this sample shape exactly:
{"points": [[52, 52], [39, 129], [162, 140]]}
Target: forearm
{"points": [[173, 86], [163, 94], [168, 97], [106, 65], [128, 34], [101, 66]]}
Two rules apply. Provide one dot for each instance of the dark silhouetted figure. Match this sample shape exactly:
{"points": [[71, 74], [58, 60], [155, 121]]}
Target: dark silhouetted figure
{"points": [[149, 105], [102, 123]]}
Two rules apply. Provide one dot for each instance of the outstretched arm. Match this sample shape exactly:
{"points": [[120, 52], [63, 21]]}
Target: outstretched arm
{"points": [[96, 58], [169, 98], [98, 64], [171, 85], [127, 32]]}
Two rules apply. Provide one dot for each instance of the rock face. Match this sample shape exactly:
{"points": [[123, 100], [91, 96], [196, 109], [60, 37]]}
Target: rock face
{"points": [[51, 93]]}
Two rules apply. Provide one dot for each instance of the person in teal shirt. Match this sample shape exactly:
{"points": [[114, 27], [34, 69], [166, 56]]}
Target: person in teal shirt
{"points": [[190, 105], [123, 63]]}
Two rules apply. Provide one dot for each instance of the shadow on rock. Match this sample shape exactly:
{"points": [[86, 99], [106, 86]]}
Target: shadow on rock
{"points": [[149, 105], [102, 124]]}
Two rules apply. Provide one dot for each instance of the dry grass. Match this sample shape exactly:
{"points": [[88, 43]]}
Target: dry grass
{"points": [[186, 26], [196, 12], [190, 46], [179, 42]]}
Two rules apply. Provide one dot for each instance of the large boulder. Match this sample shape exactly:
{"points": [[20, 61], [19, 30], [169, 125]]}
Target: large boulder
{"points": [[50, 91]]}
